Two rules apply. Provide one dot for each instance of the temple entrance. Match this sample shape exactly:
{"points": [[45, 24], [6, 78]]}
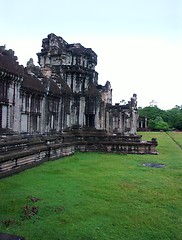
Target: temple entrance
{"points": [[90, 120]]}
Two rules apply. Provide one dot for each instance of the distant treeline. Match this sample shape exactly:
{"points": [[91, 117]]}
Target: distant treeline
{"points": [[159, 119]]}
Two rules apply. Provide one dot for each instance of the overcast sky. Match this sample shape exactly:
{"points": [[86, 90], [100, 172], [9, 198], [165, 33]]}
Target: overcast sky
{"points": [[138, 42]]}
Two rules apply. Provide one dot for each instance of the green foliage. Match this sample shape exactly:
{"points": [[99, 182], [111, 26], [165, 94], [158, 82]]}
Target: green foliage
{"points": [[151, 124], [161, 125], [174, 118], [101, 196], [151, 112], [170, 119], [158, 124]]}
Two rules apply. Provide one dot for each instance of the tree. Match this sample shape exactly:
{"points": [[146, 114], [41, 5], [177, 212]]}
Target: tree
{"points": [[151, 124], [174, 117], [162, 119], [158, 124], [151, 112]]}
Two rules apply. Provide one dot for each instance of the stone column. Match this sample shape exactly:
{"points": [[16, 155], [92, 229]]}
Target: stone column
{"points": [[141, 122], [107, 121], [120, 123], [145, 123], [68, 120], [97, 123], [133, 127], [16, 125], [59, 116], [43, 115], [9, 115], [81, 111], [113, 122]]}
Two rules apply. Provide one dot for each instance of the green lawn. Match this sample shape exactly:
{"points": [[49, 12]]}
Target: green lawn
{"points": [[176, 136], [92, 196]]}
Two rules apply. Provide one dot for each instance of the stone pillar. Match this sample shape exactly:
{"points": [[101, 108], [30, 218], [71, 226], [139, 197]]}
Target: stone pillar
{"points": [[145, 126], [107, 121], [59, 116], [69, 80], [16, 125], [133, 127], [43, 116], [81, 111], [102, 117], [127, 122], [120, 123], [113, 120], [10, 106], [67, 120], [97, 120]]}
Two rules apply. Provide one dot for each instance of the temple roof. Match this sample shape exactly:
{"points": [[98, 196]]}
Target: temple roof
{"points": [[51, 87], [32, 83], [92, 90], [79, 49], [64, 86], [8, 62], [56, 45]]}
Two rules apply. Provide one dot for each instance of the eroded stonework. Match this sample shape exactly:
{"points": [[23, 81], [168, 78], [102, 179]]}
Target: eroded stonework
{"points": [[90, 104], [61, 98], [62, 93]]}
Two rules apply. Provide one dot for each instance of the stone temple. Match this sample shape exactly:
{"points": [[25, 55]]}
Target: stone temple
{"points": [[51, 110]]}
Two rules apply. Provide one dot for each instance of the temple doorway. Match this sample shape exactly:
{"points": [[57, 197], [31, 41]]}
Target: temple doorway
{"points": [[90, 120]]}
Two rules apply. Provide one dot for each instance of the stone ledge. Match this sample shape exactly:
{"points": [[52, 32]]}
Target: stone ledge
{"points": [[30, 152]]}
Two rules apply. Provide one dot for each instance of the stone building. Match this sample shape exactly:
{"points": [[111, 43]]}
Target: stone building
{"points": [[142, 124], [11, 78], [75, 65], [62, 93], [51, 110]]}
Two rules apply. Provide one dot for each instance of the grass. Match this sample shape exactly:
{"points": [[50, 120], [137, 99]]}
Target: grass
{"points": [[92, 196]]}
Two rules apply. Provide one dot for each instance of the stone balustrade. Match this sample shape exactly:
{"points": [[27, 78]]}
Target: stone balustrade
{"points": [[21, 152]]}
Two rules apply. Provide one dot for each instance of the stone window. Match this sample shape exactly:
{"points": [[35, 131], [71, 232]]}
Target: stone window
{"points": [[78, 60], [3, 90]]}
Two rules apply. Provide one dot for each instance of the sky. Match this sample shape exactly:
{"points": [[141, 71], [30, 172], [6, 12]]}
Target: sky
{"points": [[138, 42]]}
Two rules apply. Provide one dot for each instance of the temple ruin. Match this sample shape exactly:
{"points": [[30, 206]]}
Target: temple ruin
{"points": [[51, 110]]}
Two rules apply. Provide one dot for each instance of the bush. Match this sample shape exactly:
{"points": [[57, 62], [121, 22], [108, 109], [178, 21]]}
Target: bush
{"points": [[158, 124]]}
